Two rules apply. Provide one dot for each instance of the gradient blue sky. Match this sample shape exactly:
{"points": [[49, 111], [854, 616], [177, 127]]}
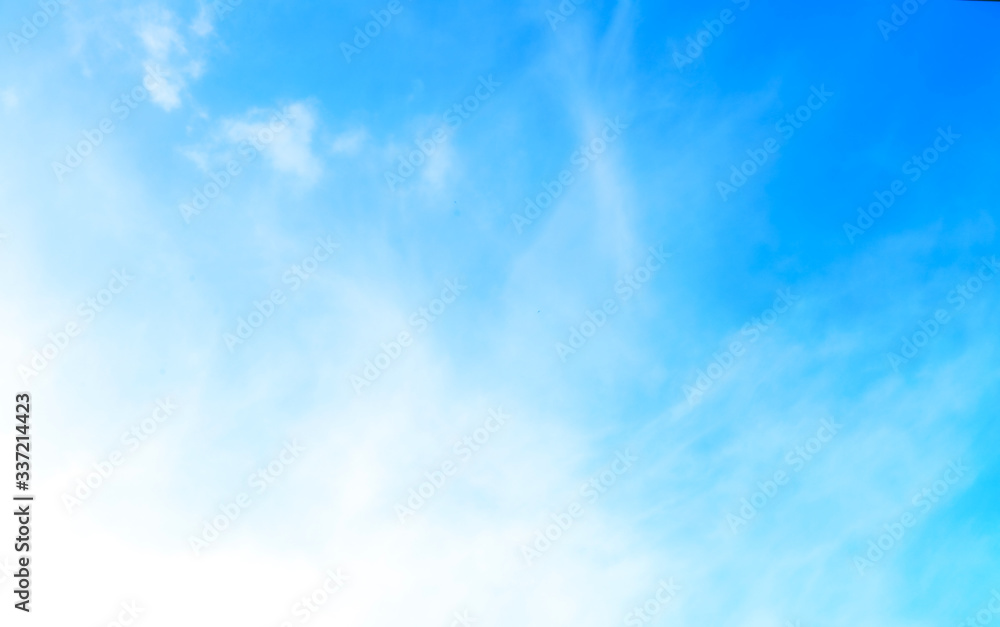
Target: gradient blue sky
{"points": [[323, 176]]}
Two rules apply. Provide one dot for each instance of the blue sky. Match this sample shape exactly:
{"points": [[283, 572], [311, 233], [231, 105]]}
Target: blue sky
{"points": [[307, 228]]}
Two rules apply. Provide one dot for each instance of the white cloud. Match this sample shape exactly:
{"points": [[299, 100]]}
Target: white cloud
{"points": [[168, 51], [284, 137], [202, 25], [291, 150], [350, 142], [164, 86], [159, 38], [9, 98]]}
